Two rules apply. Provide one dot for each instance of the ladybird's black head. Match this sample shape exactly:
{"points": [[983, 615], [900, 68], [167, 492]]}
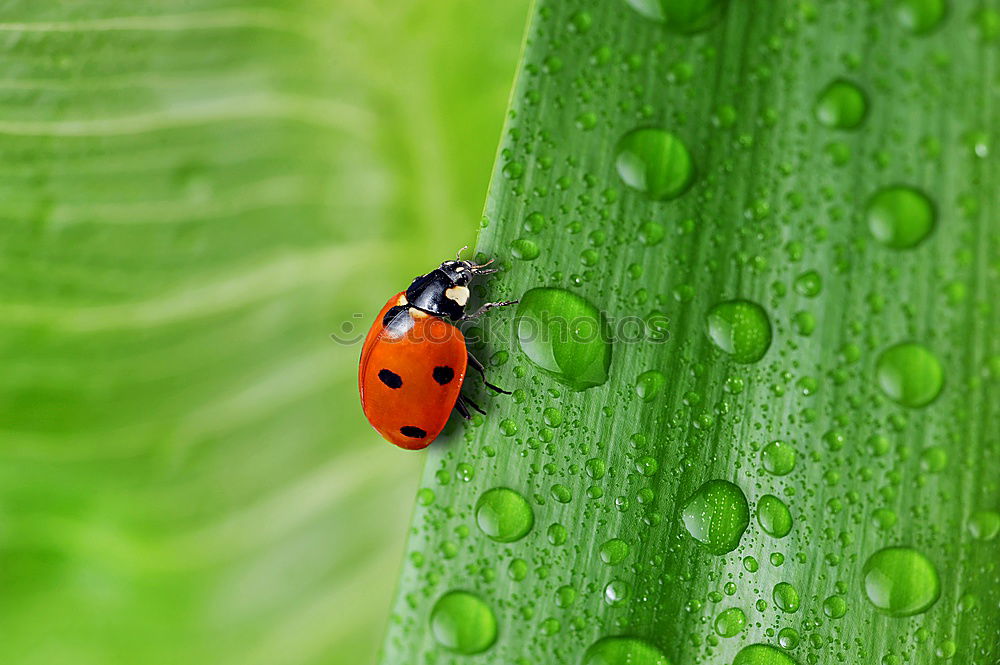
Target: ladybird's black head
{"points": [[444, 291]]}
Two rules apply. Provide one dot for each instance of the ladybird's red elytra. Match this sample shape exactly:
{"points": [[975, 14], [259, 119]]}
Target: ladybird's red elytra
{"points": [[414, 359]]}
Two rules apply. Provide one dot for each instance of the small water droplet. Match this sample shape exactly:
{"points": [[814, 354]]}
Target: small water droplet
{"points": [[910, 374], [462, 622], [740, 328], [841, 105], [773, 516], [649, 384], [835, 607], [920, 16], [623, 651], [614, 551], [561, 493], [655, 162], [900, 217], [716, 516], [984, 524], [778, 458], [616, 592], [786, 597], [504, 515], [685, 16], [900, 581], [730, 622], [788, 638], [565, 336], [524, 249]]}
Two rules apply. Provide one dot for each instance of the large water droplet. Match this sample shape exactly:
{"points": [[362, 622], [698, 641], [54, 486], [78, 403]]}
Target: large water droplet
{"points": [[910, 374], [900, 581], [778, 458], [716, 516], [504, 515], [462, 622], [687, 16], [565, 336], [740, 328], [762, 654], [773, 516], [655, 162], [920, 16], [841, 105], [900, 217], [623, 651]]}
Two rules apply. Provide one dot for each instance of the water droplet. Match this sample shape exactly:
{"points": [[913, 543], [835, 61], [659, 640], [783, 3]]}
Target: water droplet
{"points": [[778, 458], [504, 515], [686, 16], [552, 417], [557, 534], [623, 651], [716, 516], [835, 607], [565, 336], [462, 622], [740, 328], [750, 564], [786, 597], [613, 551], [762, 654], [562, 494], [900, 217], [565, 596], [809, 284], [649, 384], [900, 581], [655, 162], [920, 16], [616, 592], [730, 622], [909, 374], [984, 524], [524, 249], [788, 638], [773, 516], [425, 496], [517, 570], [841, 105]]}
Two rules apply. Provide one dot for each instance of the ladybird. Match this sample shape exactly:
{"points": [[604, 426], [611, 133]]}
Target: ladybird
{"points": [[414, 358]]}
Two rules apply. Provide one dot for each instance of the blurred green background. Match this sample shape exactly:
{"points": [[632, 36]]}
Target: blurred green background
{"points": [[195, 194]]}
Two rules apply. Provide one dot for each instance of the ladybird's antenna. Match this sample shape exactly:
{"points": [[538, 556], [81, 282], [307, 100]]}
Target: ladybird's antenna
{"points": [[479, 269], [458, 256]]}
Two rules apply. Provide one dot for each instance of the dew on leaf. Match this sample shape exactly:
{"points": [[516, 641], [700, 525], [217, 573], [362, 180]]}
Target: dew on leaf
{"points": [[716, 516], [463, 622]]}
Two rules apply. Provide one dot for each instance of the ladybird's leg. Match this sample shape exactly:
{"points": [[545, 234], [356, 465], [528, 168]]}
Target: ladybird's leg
{"points": [[478, 366], [468, 402], [487, 307], [460, 407]]}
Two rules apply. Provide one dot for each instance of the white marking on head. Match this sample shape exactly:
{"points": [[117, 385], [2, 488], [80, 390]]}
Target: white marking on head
{"points": [[459, 269], [401, 300], [418, 314], [459, 294]]}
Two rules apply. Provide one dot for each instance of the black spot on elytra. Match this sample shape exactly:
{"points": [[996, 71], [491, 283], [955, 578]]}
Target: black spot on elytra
{"points": [[412, 432], [443, 374], [390, 378]]}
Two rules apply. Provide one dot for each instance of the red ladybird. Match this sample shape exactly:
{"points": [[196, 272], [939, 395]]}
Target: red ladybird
{"points": [[413, 361]]}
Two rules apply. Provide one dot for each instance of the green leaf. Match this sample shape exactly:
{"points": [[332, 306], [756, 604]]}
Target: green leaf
{"points": [[804, 468], [195, 195]]}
